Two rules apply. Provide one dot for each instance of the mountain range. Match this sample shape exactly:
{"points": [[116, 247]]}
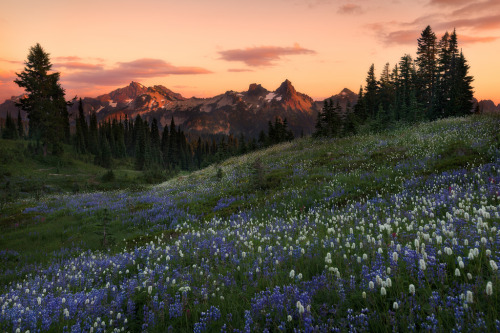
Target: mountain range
{"points": [[247, 112]]}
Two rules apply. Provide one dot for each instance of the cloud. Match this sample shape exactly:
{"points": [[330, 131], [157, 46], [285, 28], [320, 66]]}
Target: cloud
{"points": [[75, 65], [478, 23], [263, 55], [67, 58], [350, 8], [409, 37], [448, 2], [238, 70], [401, 37], [7, 77], [423, 21], [464, 39], [405, 33], [312, 3], [17, 62], [132, 70], [474, 8]]}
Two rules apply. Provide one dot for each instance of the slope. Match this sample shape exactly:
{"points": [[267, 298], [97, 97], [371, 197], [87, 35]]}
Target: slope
{"points": [[357, 233]]}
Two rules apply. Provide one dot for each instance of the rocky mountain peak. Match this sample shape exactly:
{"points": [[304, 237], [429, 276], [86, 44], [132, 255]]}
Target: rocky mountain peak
{"points": [[286, 90], [256, 89], [346, 91]]}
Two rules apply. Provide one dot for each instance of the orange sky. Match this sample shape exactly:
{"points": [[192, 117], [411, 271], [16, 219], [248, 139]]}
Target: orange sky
{"points": [[205, 47]]}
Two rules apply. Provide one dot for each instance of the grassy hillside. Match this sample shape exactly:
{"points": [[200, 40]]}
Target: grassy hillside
{"points": [[24, 175], [397, 231]]}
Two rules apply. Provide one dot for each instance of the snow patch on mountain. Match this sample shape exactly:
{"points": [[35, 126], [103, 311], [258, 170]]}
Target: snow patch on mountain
{"points": [[270, 96]]}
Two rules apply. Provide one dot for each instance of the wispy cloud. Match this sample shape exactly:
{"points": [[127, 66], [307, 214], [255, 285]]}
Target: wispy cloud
{"points": [[6, 77], [239, 70], [452, 3], [132, 70], [350, 8], [67, 58], [263, 55], [76, 65], [401, 37], [470, 28], [16, 62], [478, 7], [481, 23], [465, 39]]}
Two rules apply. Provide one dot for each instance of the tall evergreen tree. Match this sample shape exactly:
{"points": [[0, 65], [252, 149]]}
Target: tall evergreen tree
{"points": [[329, 122], [20, 128], [173, 146], [83, 124], [443, 84], [10, 130], [386, 88], [427, 69], [164, 145], [371, 88], [93, 134], [105, 152], [140, 146], [406, 80], [359, 108], [155, 143], [44, 102], [461, 93]]}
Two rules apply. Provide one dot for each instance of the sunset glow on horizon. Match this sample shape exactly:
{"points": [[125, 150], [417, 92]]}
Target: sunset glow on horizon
{"points": [[204, 48]]}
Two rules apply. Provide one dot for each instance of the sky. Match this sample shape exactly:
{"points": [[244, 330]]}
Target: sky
{"points": [[205, 48]]}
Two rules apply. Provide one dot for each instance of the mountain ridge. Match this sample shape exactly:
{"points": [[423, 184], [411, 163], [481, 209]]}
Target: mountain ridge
{"points": [[246, 112]]}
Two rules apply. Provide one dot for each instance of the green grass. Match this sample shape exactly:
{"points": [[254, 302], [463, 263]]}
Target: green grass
{"points": [[303, 179], [23, 175]]}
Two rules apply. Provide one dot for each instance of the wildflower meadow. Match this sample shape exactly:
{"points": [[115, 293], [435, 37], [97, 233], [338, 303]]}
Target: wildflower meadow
{"points": [[398, 231]]}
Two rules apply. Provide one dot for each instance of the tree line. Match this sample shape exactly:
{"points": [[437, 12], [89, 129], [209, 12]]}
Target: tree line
{"points": [[172, 149], [436, 84]]}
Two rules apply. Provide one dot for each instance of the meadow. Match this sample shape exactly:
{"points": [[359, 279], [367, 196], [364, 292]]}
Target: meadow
{"points": [[398, 231]]}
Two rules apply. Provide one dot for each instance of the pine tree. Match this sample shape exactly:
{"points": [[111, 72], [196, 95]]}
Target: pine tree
{"points": [[155, 143], [359, 108], [93, 135], [446, 53], [242, 146], [10, 130], [164, 145], [263, 139], [329, 123], [461, 93], [83, 124], [44, 102], [78, 141], [427, 69], [371, 88], [386, 88], [105, 152], [173, 147], [119, 133], [20, 128], [198, 155], [406, 81], [140, 145], [397, 102]]}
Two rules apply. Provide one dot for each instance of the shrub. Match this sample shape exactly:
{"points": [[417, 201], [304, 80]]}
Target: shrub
{"points": [[108, 176]]}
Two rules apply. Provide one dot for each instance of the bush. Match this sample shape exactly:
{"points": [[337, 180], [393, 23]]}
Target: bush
{"points": [[108, 176], [219, 174], [157, 175], [257, 175]]}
